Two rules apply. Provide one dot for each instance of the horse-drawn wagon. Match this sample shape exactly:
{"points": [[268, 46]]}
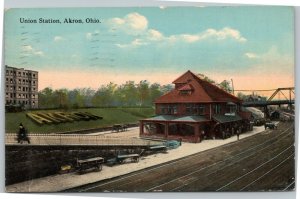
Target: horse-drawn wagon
{"points": [[96, 163]]}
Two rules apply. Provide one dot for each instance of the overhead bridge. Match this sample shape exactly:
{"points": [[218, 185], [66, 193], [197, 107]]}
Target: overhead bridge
{"points": [[267, 103]]}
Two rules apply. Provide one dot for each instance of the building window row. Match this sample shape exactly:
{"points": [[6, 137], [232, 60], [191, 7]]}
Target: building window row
{"points": [[25, 102], [20, 81], [24, 74], [168, 109], [195, 109], [25, 96]]}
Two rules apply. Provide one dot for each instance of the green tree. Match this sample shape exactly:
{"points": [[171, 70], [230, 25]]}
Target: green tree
{"points": [[241, 96], [143, 92], [46, 99], [61, 98], [155, 92], [225, 85]]}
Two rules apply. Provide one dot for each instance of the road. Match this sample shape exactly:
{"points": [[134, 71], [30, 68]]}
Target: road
{"points": [[258, 163]]}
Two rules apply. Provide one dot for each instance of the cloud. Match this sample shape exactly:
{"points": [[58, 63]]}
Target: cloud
{"points": [[154, 35], [136, 24], [40, 53], [58, 38], [89, 35], [190, 38], [134, 43], [222, 34], [132, 23], [274, 62], [29, 50], [251, 55]]}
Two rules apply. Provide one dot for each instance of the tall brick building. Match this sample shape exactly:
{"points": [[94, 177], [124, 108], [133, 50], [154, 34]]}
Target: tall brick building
{"points": [[21, 87]]}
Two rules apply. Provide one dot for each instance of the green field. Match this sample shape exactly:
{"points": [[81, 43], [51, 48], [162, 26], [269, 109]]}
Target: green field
{"points": [[110, 116]]}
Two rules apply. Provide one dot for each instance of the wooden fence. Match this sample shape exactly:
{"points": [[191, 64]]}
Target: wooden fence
{"points": [[68, 139]]}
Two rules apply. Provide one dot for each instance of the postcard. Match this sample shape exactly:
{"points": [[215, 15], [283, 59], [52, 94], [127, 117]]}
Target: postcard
{"points": [[149, 99]]}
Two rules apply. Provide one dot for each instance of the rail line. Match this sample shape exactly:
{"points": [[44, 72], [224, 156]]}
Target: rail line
{"points": [[233, 181], [221, 168], [275, 138], [292, 155], [290, 185]]}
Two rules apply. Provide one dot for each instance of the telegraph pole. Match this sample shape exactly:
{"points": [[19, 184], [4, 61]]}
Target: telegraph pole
{"points": [[232, 86]]}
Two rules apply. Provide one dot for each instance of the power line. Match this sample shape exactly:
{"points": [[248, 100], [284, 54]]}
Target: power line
{"points": [[257, 90]]}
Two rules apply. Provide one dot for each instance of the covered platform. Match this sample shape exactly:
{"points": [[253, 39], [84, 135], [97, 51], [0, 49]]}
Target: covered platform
{"points": [[185, 128], [192, 128]]}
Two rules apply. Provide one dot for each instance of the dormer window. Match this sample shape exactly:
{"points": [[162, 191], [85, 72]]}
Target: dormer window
{"points": [[186, 89], [231, 107]]}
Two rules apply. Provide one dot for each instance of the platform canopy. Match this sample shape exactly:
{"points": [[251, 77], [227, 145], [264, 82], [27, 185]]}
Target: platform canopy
{"points": [[172, 118], [226, 118]]}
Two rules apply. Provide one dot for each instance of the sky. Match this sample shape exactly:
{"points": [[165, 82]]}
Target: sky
{"points": [[253, 46]]}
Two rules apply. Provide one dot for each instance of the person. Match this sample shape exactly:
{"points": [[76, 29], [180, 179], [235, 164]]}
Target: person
{"points": [[223, 135], [202, 135], [22, 135], [238, 134]]}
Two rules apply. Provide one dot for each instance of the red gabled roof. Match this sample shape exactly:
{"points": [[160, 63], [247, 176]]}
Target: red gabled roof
{"points": [[183, 78], [186, 87], [203, 92]]}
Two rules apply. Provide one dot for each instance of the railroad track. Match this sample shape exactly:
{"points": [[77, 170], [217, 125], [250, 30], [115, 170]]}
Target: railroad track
{"points": [[187, 173], [212, 172], [227, 163]]}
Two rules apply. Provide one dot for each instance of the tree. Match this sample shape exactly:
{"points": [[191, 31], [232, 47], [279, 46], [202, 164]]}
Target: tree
{"points": [[46, 98], [60, 98], [204, 77], [155, 92], [241, 96], [143, 92], [225, 85], [105, 95]]}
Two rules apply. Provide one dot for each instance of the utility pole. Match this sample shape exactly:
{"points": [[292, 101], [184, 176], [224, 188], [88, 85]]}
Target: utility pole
{"points": [[232, 86]]}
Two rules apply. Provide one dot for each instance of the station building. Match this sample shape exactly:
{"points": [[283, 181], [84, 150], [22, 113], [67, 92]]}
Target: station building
{"points": [[21, 87], [195, 109]]}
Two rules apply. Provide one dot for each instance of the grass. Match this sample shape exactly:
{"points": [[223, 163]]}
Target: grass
{"points": [[110, 116]]}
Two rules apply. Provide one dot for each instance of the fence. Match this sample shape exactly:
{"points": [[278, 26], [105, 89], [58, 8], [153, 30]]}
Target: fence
{"points": [[67, 139]]}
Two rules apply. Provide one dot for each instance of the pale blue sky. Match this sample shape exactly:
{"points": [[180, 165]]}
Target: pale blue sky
{"points": [[219, 41]]}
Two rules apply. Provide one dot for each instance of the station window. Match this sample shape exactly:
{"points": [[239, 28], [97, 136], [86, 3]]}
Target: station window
{"points": [[217, 108], [195, 109], [168, 109]]}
